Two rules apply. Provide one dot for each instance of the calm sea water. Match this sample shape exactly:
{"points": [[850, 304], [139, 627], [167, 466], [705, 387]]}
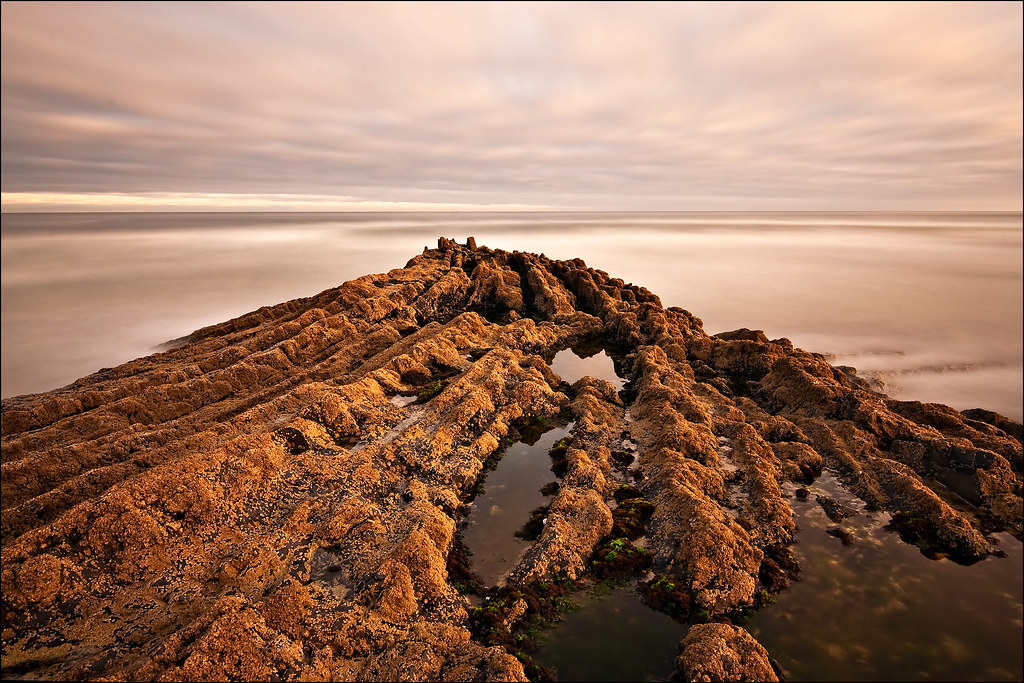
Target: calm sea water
{"points": [[929, 303]]}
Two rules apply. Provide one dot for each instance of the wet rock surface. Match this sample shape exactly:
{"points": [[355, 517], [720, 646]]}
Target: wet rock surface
{"points": [[277, 497]]}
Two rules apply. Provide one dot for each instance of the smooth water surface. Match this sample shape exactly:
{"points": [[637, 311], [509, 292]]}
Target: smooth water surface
{"points": [[573, 364], [879, 610], [511, 493], [930, 303], [612, 637]]}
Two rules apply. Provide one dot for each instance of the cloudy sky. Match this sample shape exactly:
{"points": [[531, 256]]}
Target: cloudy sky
{"points": [[660, 106]]}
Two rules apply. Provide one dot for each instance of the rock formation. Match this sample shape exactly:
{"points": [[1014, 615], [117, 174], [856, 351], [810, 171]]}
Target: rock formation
{"points": [[722, 652], [277, 497]]}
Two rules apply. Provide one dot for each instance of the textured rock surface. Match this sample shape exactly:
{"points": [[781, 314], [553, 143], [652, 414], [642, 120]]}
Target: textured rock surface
{"points": [[722, 652], [267, 500]]}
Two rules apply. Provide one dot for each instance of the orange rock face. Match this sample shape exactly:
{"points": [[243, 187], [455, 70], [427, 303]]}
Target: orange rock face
{"points": [[721, 652], [257, 503]]}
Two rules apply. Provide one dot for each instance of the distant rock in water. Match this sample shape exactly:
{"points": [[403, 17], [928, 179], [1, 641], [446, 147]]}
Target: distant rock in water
{"points": [[254, 504]]}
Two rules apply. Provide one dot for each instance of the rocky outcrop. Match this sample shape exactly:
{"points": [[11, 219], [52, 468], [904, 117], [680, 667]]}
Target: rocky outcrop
{"points": [[722, 652], [277, 496]]}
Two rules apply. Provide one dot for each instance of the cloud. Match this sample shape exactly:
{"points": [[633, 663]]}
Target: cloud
{"points": [[603, 105], [217, 201]]}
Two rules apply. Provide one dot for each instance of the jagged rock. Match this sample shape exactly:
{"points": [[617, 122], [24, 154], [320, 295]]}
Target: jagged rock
{"points": [[445, 298], [276, 496], [996, 420], [722, 652]]}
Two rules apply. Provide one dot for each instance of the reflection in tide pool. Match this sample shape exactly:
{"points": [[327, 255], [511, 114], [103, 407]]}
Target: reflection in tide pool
{"points": [[878, 610], [572, 364], [512, 492], [614, 637]]}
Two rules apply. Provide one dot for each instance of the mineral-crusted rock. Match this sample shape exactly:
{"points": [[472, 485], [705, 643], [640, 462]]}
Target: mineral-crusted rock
{"points": [[277, 496], [722, 652]]}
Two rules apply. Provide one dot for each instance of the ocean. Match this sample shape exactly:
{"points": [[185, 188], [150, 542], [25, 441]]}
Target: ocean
{"points": [[930, 304]]}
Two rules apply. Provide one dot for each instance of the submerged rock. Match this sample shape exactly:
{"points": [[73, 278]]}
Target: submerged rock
{"points": [[835, 510], [277, 495]]}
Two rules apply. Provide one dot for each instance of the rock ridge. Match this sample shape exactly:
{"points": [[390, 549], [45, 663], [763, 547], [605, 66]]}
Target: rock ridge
{"points": [[277, 496]]}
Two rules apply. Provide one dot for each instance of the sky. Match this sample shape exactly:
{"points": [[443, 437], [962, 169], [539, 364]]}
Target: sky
{"points": [[511, 106]]}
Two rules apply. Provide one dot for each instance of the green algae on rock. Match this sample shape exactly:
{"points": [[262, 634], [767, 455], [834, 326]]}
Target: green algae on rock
{"points": [[254, 504]]}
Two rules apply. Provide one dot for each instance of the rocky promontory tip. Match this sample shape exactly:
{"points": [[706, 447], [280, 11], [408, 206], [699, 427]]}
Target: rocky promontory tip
{"points": [[277, 497]]}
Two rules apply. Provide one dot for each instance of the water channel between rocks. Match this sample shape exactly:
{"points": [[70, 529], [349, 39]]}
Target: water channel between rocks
{"points": [[613, 636], [512, 492], [512, 489]]}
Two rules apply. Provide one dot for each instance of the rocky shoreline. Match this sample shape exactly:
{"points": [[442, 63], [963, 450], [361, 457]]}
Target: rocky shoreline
{"points": [[256, 504]]}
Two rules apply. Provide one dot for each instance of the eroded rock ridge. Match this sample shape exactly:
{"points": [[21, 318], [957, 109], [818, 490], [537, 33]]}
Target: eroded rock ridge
{"points": [[278, 496]]}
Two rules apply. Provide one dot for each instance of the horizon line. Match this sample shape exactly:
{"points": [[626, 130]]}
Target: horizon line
{"points": [[285, 202], [483, 210]]}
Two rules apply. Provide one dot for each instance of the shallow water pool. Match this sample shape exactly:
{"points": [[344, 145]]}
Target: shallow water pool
{"points": [[511, 493], [612, 637]]}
